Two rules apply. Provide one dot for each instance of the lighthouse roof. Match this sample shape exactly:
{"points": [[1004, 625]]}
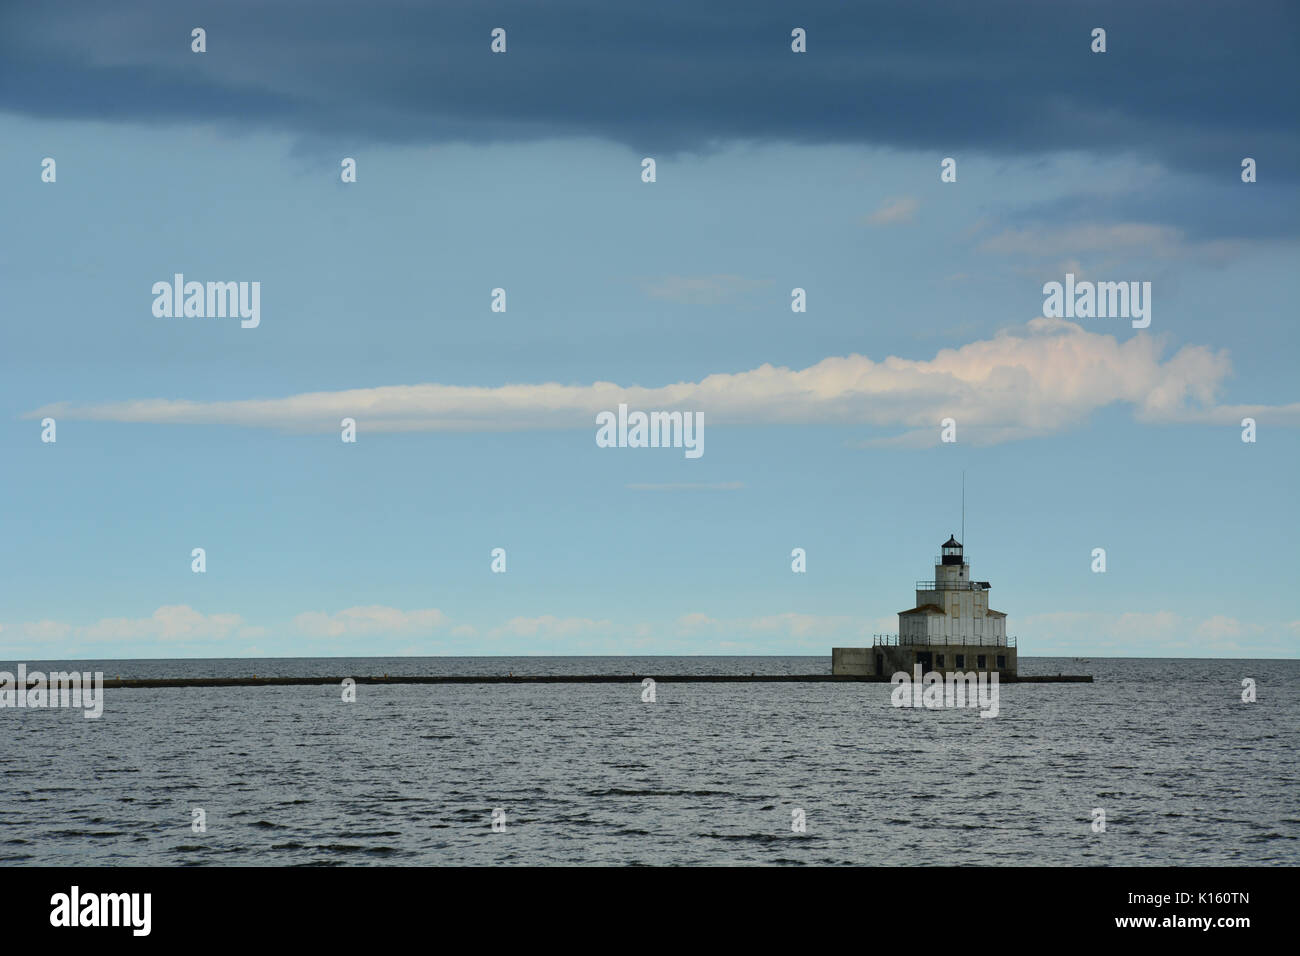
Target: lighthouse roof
{"points": [[951, 543], [925, 609]]}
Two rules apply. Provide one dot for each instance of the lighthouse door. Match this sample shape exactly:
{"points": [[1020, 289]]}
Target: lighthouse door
{"points": [[925, 659]]}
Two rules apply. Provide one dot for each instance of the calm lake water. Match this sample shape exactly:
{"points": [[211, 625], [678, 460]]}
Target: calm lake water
{"points": [[707, 774]]}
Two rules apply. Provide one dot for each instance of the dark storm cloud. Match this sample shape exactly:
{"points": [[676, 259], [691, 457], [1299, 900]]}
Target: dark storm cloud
{"points": [[1195, 86]]}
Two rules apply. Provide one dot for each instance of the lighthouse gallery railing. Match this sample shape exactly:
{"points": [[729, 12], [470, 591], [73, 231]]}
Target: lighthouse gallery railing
{"points": [[968, 640]]}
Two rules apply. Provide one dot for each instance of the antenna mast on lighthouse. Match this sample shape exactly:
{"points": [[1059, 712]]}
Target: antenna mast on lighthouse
{"points": [[963, 509]]}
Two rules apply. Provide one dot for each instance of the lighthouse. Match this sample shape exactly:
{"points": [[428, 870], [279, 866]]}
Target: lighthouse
{"points": [[949, 628]]}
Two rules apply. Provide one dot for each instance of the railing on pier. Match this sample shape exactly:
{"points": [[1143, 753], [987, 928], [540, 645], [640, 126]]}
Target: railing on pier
{"points": [[968, 640]]}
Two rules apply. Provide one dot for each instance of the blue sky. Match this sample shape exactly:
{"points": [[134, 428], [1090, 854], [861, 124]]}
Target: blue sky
{"points": [[476, 429]]}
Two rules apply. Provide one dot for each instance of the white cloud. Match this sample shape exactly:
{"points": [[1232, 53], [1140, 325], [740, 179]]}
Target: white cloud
{"points": [[177, 623], [788, 624], [703, 290], [1043, 378], [1162, 633], [1064, 633], [1125, 239], [894, 211], [1044, 241], [45, 630], [374, 619], [548, 626]]}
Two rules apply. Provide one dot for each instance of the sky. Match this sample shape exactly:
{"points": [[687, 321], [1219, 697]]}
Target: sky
{"points": [[523, 171]]}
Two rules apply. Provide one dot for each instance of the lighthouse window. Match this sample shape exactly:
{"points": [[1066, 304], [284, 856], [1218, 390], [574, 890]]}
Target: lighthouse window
{"points": [[961, 660], [938, 660], [1002, 660], [979, 661]]}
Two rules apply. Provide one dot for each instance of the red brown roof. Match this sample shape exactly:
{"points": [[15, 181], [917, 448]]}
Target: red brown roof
{"points": [[925, 609]]}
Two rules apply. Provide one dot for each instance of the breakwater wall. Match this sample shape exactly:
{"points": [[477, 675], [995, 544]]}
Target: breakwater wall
{"points": [[255, 681]]}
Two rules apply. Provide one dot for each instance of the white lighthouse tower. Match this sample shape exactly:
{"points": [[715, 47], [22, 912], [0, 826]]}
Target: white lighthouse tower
{"points": [[952, 609], [950, 628]]}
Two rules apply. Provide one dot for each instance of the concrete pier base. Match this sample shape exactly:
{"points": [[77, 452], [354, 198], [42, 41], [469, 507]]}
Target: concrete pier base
{"points": [[885, 660]]}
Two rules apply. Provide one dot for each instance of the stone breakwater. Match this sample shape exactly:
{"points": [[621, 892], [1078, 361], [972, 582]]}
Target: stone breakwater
{"points": [[255, 681]]}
